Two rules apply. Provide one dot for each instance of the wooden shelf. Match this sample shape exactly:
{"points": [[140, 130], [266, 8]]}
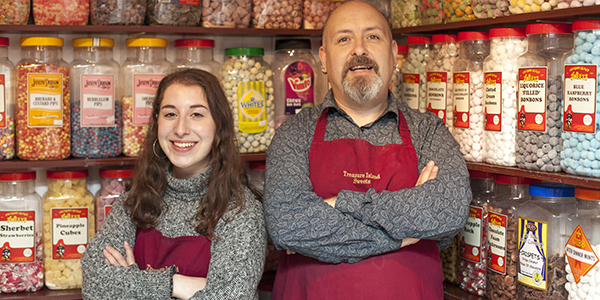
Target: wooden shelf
{"points": [[92, 162], [561, 177], [453, 292], [46, 294]]}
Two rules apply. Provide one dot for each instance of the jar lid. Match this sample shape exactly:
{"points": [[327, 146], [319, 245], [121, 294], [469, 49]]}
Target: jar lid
{"points": [[480, 174], [551, 190], [402, 48], [586, 25], [42, 41], [146, 42], [418, 40], [244, 51], [195, 43], [444, 38], [292, 44], [514, 180], [93, 42], [547, 28], [507, 32], [4, 41], [17, 175], [257, 165], [116, 173], [587, 193], [67, 174], [473, 36]]}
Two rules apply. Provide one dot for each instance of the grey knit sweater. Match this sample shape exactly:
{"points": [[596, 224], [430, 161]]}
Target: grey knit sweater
{"points": [[236, 263], [363, 224]]}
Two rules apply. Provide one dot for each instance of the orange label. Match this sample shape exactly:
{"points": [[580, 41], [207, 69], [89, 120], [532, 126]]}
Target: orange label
{"points": [[45, 105], [580, 254]]}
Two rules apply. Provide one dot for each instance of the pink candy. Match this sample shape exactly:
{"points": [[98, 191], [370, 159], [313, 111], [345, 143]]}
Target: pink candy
{"points": [[23, 277]]}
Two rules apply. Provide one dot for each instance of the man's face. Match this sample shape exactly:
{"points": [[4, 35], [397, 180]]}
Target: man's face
{"points": [[358, 52]]}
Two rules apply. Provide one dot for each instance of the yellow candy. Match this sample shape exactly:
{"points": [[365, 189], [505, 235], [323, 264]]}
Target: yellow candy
{"points": [[527, 8]]}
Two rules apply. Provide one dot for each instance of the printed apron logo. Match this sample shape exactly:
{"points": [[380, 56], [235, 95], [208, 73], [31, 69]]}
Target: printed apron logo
{"points": [[361, 178]]}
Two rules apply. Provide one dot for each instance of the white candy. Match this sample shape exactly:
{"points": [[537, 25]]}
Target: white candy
{"points": [[418, 56], [443, 57]]}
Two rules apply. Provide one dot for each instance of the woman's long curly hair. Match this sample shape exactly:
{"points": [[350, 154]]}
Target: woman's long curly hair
{"points": [[227, 177]]}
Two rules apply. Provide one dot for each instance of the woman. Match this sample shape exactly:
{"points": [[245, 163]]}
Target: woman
{"points": [[190, 226]]}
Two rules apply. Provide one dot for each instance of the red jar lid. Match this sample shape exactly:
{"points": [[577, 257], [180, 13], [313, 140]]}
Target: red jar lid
{"points": [[586, 25], [402, 48], [507, 32], [514, 180], [548, 28], [480, 174], [418, 40], [67, 174], [473, 36], [195, 43], [587, 193], [444, 38], [116, 173], [4, 41], [257, 165], [17, 175]]}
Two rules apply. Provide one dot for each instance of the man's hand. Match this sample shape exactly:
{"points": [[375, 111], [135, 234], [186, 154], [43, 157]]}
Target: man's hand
{"points": [[331, 201], [115, 258], [429, 172]]}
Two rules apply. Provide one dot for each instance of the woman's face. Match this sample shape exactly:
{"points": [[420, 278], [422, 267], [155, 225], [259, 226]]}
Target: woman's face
{"points": [[186, 129]]}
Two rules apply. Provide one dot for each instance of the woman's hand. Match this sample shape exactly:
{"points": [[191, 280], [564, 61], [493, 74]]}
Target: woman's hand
{"points": [[115, 258], [408, 242], [429, 172], [184, 287]]}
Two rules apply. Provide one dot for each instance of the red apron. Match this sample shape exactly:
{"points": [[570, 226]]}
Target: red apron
{"points": [[154, 251], [413, 272]]}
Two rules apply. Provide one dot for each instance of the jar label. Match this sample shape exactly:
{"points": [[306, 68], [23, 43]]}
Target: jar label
{"points": [[461, 99], [533, 248], [45, 103], [183, 2], [17, 236], [496, 238], [580, 98], [2, 102], [531, 99], [411, 90], [107, 209], [69, 232], [470, 236], [493, 101], [580, 254], [252, 113], [436, 93], [97, 101], [299, 88], [144, 90]]}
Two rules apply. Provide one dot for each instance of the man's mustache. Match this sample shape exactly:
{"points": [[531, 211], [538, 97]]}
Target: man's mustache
{"points": [[360, 61]]}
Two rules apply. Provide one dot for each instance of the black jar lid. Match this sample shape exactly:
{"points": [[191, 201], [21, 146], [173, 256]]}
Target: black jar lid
{"points": [[292, 44]]}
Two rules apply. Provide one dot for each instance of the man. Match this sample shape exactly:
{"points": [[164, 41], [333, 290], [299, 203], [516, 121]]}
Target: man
{"points": [[343, 194]]}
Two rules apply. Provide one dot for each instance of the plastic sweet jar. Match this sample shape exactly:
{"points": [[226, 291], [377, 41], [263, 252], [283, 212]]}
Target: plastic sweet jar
{"points": [[144, 68], [405, 13], [7, 103], [500, 95], [256, 174], [432, 12], [503, 256], [467, 103], [248, 83], [68, 226], [229, 14], [449, 259], [491, 8], [413, 72], [43, 100], [540, 97], [196, 53], [296, 78], [316, 12], [542, 238], [16, 12], [21, 251], [180, 13], [458, 10], [396, 82], [439, 86], [581, 250], [113, 182], [95, 105], [117, 12], [472, 242], [581, 114], [61, 12], [271, 14]]}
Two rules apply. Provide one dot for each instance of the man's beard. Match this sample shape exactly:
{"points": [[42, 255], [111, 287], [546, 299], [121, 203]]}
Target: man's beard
{"points": [[362, 88]]}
